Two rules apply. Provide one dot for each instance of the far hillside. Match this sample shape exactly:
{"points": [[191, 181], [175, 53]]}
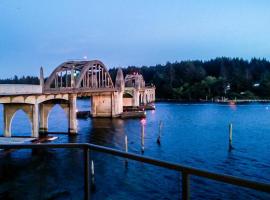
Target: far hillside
{"points": [[199, 80]]}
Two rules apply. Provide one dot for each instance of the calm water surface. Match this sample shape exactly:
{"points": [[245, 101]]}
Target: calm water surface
{"points": [[193, 134]]}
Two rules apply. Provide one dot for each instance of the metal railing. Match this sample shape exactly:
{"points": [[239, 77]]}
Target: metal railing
{"points": [[184, 170]]}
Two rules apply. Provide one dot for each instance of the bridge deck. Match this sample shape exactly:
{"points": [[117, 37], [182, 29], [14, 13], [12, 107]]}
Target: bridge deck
{"points": [[79, 90], [86, 92], [18, 89]]}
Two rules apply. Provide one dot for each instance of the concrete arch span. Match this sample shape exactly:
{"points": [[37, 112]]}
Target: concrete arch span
{"points": [[127, 95], [45, 110], [21, 124], [31, 99], [11, 109], [69, 107]]}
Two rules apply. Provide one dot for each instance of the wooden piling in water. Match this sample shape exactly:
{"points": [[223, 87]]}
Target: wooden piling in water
{"points": [[142, 138], [93, 186], [230, 135], [126, 143], [126, 149], [159, 133]]}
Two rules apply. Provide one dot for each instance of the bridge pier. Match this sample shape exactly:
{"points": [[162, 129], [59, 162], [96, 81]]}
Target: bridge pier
{"points": [[35, 121], [118, 102], [8, 115], [101, 105], [136, 98], [73, 129], [44, 115], [107, 105]]}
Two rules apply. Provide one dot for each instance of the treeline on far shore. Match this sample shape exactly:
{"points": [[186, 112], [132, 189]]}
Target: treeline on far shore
{"points": [[195, 80], [218, 78], [22, 80]]}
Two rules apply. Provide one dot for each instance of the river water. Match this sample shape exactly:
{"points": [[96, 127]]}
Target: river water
{"points": [[193, 134]]}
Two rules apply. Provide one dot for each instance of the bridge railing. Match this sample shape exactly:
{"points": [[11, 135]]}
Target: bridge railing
{"points": [[184, 170], [19, 89], [77, 90]]}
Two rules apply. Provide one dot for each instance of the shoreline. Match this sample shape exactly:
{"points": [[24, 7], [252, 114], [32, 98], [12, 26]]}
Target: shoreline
{"points": [[238, 101]]}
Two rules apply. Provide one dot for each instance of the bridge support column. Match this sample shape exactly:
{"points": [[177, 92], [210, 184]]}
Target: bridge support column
{"points": [[44, 114], [136, 98], [35, 125], [145, 98], [149, 95], [120, 103], [93, 106], [117, 106], [7, 121], [141, 98], [73, 129]]}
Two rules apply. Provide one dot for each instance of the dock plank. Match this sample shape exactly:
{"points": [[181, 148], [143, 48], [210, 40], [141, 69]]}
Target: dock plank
{"points": [[15, 140]]}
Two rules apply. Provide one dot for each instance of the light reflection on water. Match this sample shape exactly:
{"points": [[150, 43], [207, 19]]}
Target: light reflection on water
{"points": [[193, 134]]}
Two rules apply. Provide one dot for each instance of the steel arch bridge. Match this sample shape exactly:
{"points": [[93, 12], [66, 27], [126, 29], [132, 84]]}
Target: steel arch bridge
{"points": [[79, 76], [70, 80]]}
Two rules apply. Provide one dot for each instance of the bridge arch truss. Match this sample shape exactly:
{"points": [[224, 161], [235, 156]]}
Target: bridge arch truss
{"points": [[79, 76]]}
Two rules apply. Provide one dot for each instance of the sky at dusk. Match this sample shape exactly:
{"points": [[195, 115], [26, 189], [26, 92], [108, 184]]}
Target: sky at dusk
{"points": [[124, 32]]}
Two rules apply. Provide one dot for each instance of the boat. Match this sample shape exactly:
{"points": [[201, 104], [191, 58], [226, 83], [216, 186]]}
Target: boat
{"points": [[133, 114]]}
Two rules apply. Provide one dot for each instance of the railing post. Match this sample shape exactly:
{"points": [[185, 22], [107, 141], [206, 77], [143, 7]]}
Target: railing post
{"points": [[86, 173], [185, 186]]}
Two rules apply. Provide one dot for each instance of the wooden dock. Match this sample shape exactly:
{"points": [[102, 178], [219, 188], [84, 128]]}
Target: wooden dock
{"points": [[25, 140], [15, 140], [133, 114]]}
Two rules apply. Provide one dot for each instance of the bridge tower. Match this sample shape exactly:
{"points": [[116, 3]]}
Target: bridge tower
{"points": [[135, 86], [120, 87]]}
